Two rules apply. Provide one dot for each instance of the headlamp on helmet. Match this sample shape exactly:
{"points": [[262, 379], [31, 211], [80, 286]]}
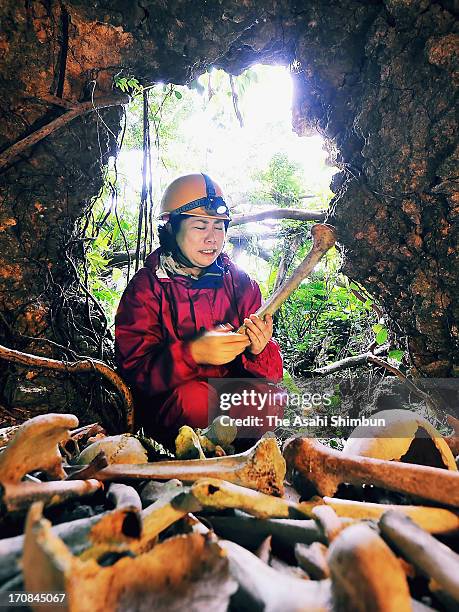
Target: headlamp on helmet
{"points": [[195, 195], [213, 203]]}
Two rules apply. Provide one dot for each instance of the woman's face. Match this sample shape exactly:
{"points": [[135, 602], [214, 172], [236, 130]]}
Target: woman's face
{"points": [[201, 240]]}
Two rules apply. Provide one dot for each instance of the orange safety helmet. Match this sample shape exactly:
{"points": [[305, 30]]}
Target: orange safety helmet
{"points": [[196, 195]]}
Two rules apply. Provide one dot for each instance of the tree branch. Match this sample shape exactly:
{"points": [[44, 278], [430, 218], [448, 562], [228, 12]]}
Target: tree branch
{"points": [[362, 298], [350, 362], [243, 242], [297, 214], [418, 392], [118, 259], [79, 109]]}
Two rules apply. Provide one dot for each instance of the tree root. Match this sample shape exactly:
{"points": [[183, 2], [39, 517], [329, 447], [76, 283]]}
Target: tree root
{"points": [[85, 365], [78, 109]]}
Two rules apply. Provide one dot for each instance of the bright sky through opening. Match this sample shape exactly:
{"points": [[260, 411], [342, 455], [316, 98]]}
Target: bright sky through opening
{"points": [[231, 154]]}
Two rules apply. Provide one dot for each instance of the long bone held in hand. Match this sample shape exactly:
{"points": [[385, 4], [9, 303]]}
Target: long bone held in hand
{"points": [[326, 468], [262, 468], [323, 237]]}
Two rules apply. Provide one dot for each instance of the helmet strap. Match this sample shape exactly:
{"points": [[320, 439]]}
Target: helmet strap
{"points": [[176, 251], [210, 189], [181, 258]]}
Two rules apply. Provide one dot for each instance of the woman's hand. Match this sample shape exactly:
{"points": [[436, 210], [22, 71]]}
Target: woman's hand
{"points": [[218, 346], [259, 331]]}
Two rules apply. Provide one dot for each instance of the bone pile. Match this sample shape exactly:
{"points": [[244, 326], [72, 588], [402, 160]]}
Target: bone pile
{"points": [[226, 532]]}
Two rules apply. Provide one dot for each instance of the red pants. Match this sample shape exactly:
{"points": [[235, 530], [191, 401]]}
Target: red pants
{"points": [[195, 403], [162, 416], [189, 404]]}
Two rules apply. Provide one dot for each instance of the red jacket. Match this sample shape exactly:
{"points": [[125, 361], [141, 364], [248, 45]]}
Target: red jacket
{"points": [[157, 318]]}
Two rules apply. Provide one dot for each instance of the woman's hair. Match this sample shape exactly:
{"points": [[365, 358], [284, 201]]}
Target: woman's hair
{"points": [[167, 239]]}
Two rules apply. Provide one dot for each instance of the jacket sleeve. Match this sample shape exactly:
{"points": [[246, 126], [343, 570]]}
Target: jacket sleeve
{"points": [[267, 364], [146, 359]]}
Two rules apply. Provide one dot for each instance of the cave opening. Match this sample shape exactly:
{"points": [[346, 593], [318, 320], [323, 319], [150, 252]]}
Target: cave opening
{"points": [[236, 128]]}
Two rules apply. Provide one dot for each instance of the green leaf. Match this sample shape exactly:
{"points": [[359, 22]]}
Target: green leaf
{"points": [[116, 274], [396, 355], [377, 328], [381, 336], [178, 95], [121, 83], [97, 259], [290, 384]]}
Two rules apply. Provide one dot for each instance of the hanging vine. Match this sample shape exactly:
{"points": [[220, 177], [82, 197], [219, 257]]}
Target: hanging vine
{"points": [[145, 219]]}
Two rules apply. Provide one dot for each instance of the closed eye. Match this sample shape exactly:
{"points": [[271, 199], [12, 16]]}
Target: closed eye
{"points": [[203, 228]]}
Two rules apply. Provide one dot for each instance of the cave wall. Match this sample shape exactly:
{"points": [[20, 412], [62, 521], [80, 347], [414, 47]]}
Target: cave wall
{"points": [[385, 93], [378, 79]]}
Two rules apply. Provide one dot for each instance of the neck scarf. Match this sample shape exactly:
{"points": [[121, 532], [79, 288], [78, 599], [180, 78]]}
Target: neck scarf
{"points": [[211, 278]]}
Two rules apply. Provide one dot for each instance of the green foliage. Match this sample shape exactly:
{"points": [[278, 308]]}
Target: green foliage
{"points": [[128, 85], [321, 323], [396, 354], [110, 229], [217, 95], [289, 383], [169, 105], [381, 333], [101, 285], [280, 182]]}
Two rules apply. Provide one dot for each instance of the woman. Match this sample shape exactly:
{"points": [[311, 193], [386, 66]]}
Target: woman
{"points": [[174, 323]]}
